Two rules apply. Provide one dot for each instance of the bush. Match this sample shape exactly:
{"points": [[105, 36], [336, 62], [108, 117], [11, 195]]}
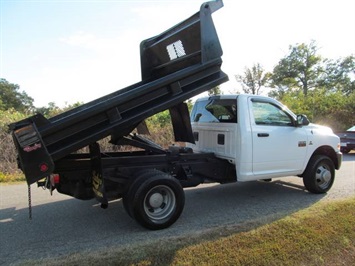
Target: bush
{"points": [[332, 108], [8, 162], [15, 177]]}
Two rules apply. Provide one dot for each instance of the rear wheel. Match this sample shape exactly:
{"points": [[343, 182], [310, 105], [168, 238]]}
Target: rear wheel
{"points": [[156, 201], [319, 175], [138, 179]]}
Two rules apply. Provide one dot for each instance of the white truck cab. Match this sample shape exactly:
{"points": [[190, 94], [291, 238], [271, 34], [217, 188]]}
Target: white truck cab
{"points": [[264, 139]]}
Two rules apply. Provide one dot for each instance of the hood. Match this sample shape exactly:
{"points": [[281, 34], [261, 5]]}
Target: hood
{"points": [[323, 130], [323, 136]]}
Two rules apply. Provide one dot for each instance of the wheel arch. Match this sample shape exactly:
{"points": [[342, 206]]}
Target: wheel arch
{"points": [[329, 152]]}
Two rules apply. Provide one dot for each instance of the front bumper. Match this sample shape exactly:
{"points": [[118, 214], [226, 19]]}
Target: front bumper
{"points": [[348, 145]]}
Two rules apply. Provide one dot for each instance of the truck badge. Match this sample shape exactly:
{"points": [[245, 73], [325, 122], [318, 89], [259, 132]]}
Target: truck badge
{"points": [[302, 144]]}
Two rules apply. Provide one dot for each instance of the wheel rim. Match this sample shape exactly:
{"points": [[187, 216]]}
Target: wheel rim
{"points": [[159, 203], [323, 176]]}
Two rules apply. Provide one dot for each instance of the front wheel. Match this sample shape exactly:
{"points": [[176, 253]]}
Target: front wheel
{"points": [[319, 175], [157, 202]]}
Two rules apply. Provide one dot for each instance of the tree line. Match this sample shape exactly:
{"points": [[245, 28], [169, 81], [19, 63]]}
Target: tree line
{"points": [[321, 88]]}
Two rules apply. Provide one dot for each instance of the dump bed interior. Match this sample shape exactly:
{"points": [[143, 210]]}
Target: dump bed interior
{"points": [[175, 66]]}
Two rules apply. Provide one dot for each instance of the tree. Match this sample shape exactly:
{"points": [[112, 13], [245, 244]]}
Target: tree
{"points": [[300, 70], [323, 89], [215, 91], [339, 75], [11, 97], [52, 109], [253, 79]]}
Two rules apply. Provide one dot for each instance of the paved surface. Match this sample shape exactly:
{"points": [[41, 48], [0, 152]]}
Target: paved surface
{"points": [[62, 225]]}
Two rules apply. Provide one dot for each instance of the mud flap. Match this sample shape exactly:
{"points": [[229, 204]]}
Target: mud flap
{"points": [[98, 184]]}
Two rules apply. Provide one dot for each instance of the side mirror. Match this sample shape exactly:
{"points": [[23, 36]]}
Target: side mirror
{"points": [[302, 120]]}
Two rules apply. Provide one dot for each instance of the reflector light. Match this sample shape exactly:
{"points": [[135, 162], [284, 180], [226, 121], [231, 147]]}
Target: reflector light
{"points": [[43, 167], [56, 178]]}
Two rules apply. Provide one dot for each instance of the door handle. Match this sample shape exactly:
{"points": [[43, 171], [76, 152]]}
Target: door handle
{"points": [[263, 135]]}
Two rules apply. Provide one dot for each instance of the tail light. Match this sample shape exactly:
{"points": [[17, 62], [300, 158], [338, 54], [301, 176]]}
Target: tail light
{"points": [[55, 179]]}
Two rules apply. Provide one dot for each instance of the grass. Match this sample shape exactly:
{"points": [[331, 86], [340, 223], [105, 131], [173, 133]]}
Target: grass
{"points": [[323, 234]]}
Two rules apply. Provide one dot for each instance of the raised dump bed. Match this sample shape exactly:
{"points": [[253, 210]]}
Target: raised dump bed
{"points": [[176, 65]]}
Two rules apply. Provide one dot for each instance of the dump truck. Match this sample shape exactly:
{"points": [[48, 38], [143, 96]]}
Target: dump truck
{"points": [[235, 138]]}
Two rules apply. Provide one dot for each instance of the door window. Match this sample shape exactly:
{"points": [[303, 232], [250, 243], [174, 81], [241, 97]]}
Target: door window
{"points": [[268, 114]]}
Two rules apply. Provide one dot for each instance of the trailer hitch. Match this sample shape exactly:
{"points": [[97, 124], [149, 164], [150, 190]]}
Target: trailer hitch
{"points": [[49, 182]]}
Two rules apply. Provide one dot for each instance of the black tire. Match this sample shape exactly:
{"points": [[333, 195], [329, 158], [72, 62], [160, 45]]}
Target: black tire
{"points": [[138, 179], [319, 175], [158, 202]]}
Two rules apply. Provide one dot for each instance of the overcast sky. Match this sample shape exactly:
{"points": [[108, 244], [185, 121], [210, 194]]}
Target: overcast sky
{"points": [[68, 51]]}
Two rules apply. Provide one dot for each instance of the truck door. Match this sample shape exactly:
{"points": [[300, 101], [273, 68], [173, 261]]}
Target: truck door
{"points": [[279, 147]]}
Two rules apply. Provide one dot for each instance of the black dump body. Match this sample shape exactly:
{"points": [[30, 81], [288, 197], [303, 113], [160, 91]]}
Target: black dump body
{"points": [[176, 65]]}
